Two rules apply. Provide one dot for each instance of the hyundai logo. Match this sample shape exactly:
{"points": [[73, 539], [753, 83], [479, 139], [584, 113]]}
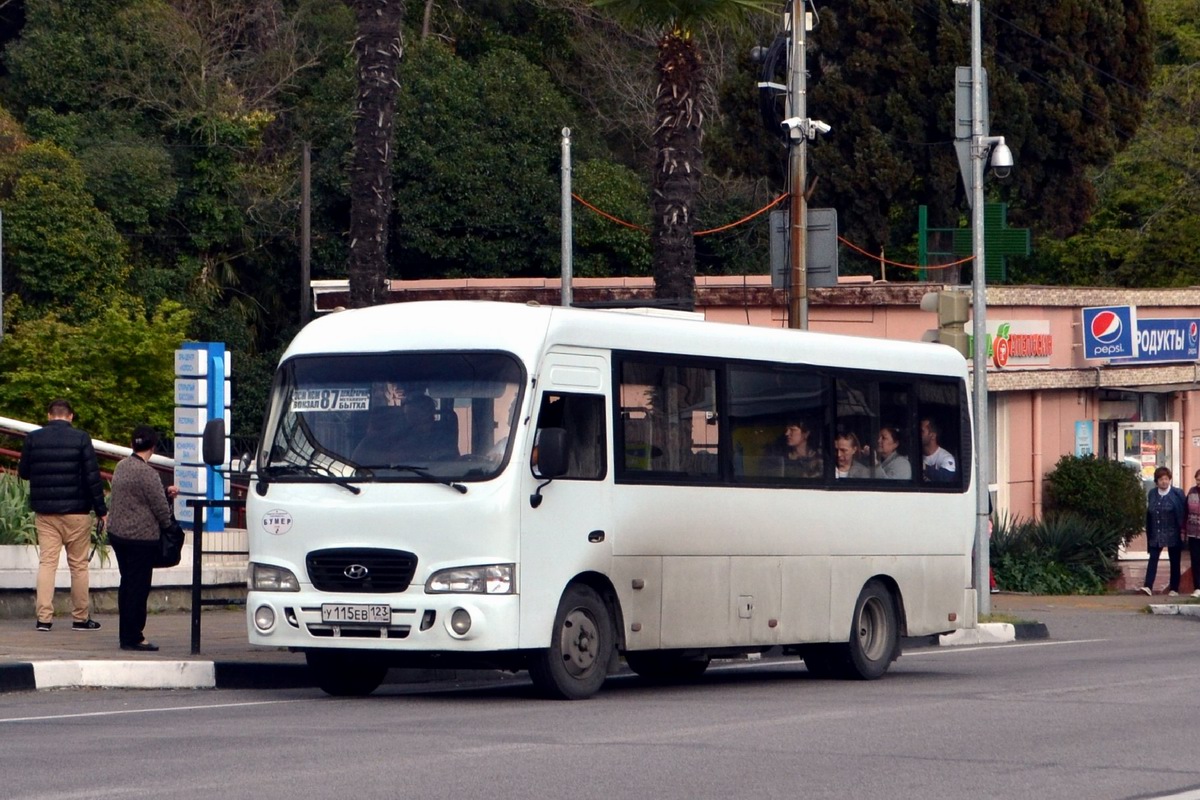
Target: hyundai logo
{"points": [[355, 572]]}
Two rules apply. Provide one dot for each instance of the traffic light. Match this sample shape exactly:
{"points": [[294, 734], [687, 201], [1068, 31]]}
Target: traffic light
{"points": [[953, 308]]}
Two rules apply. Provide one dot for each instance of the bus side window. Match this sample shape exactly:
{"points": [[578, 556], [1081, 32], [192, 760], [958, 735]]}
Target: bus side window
{"points": [[669, 422], [939, 432], [582, 417]]}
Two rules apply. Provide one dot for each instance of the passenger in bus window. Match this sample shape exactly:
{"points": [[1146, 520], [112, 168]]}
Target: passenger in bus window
{"points": [[425, 438], [845, 449], [382, 440], [893, 464], [937, 463], [801, 455]]}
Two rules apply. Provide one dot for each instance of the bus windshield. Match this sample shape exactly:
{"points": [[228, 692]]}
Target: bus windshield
{"points": [[392, 417]]}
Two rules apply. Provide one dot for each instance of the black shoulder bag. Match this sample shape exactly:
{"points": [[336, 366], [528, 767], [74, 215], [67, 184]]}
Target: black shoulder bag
{"points": [[170, 545]]}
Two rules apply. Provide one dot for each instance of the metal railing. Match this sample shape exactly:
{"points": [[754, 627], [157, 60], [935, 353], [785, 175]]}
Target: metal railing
{"points": [[199, 507]]}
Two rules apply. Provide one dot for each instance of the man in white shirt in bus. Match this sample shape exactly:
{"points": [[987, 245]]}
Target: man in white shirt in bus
{"points": [[938, 463]]}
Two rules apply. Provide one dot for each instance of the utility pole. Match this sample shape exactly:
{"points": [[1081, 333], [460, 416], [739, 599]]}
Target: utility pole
{"points": [[979, 153], [305, 234], [566, 296], [798, 102]]}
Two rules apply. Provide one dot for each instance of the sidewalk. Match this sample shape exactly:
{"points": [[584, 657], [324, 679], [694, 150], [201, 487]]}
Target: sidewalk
{"points": [[64, 657], [67, 658]]}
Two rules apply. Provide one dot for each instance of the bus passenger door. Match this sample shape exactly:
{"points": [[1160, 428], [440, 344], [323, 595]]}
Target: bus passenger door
{"points": [[568, 532]]}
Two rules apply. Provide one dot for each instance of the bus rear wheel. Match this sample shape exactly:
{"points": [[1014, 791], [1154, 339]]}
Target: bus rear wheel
{"points": [[345, 673], [665, 667], [582, 643], [875, 636], [874, 640]]}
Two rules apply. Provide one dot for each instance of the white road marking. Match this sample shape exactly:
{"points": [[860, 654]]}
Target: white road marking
{"points": [[149, 710]]}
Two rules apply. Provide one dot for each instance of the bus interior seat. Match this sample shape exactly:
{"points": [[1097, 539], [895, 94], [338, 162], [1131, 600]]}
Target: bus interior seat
{"points": [[447, 427]]}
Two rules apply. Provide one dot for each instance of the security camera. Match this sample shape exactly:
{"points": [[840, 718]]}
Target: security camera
{"points": [[1002, 160], [821, 127], [792, 123]]}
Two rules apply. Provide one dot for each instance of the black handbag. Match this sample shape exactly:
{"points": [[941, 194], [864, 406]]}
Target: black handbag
{"points": [[170, 545]]}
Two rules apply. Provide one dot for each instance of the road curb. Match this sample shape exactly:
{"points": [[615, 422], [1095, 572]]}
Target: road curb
{"points": [[1171, 609], [17, 677], [994, 633], [24, 676]]}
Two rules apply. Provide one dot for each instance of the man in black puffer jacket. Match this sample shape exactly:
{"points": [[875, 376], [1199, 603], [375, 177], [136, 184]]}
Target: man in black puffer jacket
{"points": [[64, 487]]}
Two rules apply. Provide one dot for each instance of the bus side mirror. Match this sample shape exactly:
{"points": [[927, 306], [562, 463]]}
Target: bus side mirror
{"points": [[550, 460], [551, 452], [214, 443]]}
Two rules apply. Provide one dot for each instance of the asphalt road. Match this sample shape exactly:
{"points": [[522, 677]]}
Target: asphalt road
{"points": [[1106, 712]]}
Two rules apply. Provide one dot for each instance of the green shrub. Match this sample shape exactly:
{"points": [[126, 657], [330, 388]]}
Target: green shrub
{"points": [[1061, 554], [16, 520], [1107, 493]]}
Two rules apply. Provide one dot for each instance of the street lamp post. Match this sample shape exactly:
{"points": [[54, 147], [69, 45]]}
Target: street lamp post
{"points": [[980, 146]]}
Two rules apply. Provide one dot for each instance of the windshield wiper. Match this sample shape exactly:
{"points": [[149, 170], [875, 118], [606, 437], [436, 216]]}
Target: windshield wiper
{"points": [[313, 469], [422, 472]]}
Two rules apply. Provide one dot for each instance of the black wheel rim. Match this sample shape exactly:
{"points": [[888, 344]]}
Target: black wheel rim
{"points": [[579, 641]]}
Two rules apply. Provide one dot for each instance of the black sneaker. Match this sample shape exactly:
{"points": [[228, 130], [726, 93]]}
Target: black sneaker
{"points": [[44, 626], [86, 625]]}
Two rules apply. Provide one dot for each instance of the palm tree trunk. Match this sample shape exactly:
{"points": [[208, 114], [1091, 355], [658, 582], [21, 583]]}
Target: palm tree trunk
{"points": [[378, 50], [677, 169]]}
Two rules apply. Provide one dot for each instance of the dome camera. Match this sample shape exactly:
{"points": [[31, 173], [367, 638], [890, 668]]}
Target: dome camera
{"points": [[1002, 160]]}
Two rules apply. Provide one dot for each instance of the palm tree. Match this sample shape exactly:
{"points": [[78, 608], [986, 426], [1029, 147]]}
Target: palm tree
{"points": [[378, 50], [677, 133]]}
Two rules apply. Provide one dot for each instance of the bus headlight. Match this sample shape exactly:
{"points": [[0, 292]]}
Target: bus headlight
{"points": [[267, 578], [488, 579], [264, 618]]}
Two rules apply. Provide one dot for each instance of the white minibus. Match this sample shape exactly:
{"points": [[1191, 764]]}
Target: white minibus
{"points": [[480, 484]]}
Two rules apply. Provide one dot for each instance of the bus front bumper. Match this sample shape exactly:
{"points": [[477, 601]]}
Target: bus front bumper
{"points": [[418, 622]]}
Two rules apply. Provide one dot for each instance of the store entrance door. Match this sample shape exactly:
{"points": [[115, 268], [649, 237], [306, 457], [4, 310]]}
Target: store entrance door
{"points": [[1148, 446]]}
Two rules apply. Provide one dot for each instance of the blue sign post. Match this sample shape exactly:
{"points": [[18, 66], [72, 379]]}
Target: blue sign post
{"points": [[201, 393]]}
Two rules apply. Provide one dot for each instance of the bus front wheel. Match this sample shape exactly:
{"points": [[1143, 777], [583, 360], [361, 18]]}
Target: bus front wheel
{"points": [[345, 674], [582, 642], [875, 637]]}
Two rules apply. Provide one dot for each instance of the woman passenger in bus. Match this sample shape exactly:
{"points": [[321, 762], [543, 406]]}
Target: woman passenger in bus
{"points": [[892, 464], [845, 448], [801, 457]]}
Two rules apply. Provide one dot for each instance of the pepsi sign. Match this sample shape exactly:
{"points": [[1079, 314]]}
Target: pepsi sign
{"points": [[1167, 340], [1109, 332]]}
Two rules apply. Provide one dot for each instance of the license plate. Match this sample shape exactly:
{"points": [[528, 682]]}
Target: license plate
{"points": [[362, 614]]}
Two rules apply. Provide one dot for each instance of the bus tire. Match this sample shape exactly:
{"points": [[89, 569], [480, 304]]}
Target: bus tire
{"points": [[666, 667], [582, 644], [345, 674], [875, 634]]}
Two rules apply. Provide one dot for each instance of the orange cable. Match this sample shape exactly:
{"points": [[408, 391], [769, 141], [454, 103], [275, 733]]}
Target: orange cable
{"points": [[890, 263], [606, 215], [765, 208], [747, 218]]}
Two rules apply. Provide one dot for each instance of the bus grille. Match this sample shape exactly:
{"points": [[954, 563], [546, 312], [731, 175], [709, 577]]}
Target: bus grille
{"points": [[361, 569]]}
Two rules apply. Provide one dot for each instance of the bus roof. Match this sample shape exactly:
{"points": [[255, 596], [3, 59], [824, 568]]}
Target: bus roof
{"points": [[527, 330]]}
